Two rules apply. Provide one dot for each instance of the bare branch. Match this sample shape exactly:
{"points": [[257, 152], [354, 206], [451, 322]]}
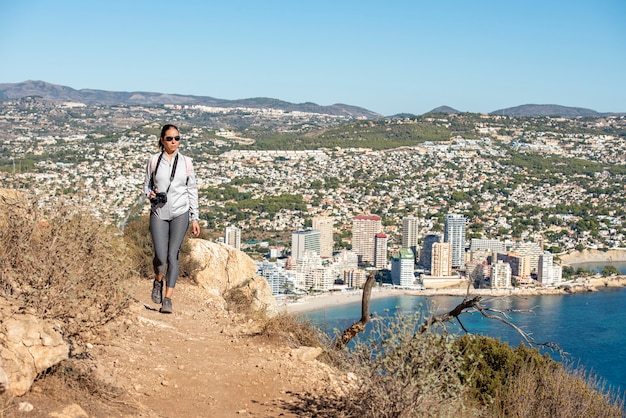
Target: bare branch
{"points": [[359, 326], [525, 336], [474, 304]]}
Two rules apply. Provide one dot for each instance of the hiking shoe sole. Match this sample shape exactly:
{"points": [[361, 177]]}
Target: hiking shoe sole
{"points": [[157, 291]]}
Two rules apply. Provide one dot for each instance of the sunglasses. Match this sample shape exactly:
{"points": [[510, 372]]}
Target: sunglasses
{"points": [[172, 138]]}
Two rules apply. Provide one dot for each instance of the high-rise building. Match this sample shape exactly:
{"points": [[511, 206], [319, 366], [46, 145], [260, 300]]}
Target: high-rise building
{"points": [[500, 275], [454, 233], [410, 233], [548, 273], [426, 254], [402, 264], [302, 241], [520, 264], [364, 230], [530, 249], [354, 278], [380, 251], [493, 245], [324, 224], [232, 237], [441, 264]]}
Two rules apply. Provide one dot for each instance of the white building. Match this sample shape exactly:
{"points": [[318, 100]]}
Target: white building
{"points": [[402, 272], [491, 245], [548, 273], [345, 261], [277, 277], [311, 275], [454, 233], [232, 237], [302, 241], [500, 275]]}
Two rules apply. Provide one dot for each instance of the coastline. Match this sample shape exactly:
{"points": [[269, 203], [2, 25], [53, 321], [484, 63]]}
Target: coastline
{"points": [[331, 299]]}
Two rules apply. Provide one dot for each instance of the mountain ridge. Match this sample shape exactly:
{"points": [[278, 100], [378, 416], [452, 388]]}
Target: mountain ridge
{"points": [[57, 92]]}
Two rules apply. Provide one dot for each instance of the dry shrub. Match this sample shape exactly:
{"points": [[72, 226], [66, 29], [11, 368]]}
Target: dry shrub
{"points": [[139, 242], [554, 393], [238, 300], [293, 331], [62, 265], [403, 374], [77, 375], [76, 381]]}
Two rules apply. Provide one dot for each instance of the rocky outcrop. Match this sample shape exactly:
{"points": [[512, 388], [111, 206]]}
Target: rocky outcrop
{"points": [[593, 256], [224, 269], [28, 346]]}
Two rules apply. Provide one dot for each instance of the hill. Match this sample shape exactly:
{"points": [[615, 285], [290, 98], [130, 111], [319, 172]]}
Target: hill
{"points": [[538, 110], [89, 96], [444, 109]]}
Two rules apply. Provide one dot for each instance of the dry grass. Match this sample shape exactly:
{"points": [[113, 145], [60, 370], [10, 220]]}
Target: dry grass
{"points": [[558, 393], [405, 374], [293, 331], [62, 265]]}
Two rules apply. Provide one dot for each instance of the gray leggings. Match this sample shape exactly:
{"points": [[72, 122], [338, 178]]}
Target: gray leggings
{"points": [[167, 237]]}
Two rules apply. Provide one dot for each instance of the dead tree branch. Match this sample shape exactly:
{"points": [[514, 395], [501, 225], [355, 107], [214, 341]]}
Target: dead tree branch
{"points": [[359, 326], [469, 305]]}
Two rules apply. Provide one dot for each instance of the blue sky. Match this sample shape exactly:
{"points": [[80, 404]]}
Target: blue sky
{"points": [[387, 56]]}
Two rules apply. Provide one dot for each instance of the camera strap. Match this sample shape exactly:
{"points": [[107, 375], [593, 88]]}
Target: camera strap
{"points": [[171, 175]]}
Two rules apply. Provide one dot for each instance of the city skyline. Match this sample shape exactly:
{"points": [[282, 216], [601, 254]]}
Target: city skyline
{"points": [[400, 57]]}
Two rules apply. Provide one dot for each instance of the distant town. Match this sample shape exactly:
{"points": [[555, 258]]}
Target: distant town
{"points": [[420, 200]]}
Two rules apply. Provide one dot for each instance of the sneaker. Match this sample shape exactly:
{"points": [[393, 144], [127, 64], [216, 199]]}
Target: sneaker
{"points": [[167, 306], [157, 291]]}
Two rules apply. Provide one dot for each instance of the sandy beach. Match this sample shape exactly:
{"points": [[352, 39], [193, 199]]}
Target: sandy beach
{"points": [[331, 299]]}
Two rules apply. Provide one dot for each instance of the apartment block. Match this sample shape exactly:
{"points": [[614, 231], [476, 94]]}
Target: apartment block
{"points": [[364, 230]]}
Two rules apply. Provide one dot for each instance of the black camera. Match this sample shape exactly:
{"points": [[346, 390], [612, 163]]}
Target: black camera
{"points": [[159, 200]]}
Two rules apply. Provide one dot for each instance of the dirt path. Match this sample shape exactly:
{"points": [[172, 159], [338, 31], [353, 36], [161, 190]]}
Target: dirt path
{"points": [[197, 362]]}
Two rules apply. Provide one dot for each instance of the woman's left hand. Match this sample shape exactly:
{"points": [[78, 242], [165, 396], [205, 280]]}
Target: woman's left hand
{"points": [[195, 228]]}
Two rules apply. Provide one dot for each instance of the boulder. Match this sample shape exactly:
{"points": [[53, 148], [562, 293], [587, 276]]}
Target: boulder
{"points": [[224, 268], [28, 346]]}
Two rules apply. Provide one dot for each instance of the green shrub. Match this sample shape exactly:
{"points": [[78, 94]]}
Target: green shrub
{"points": [[521, 382]]}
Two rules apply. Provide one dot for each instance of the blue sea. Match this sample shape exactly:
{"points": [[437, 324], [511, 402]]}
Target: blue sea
{"points": [[589, 326]]}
